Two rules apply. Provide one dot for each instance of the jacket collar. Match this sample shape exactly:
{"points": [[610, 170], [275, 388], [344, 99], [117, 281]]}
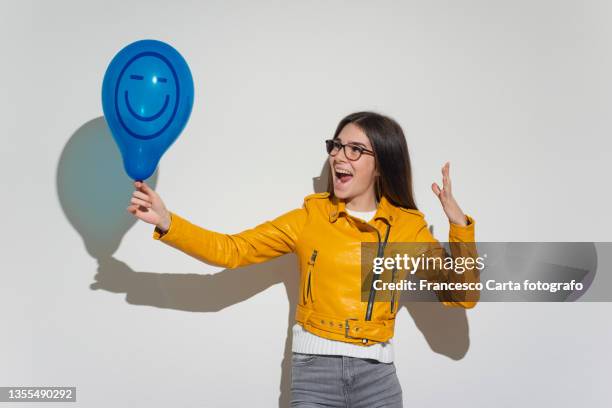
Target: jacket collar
{"points": [[386, 210]]}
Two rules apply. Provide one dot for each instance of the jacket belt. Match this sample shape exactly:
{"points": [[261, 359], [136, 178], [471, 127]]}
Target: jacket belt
{"points": [[354, 328]]}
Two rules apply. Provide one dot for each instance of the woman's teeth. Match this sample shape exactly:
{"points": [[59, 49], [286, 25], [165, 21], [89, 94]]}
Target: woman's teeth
{"points": [[344, 176], [343, 171]]}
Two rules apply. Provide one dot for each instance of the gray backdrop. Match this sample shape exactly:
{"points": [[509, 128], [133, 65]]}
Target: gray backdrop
{"points": [[515, 94]]}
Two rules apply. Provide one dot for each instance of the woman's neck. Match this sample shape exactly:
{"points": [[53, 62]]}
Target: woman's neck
{"points": [[364, 204]]}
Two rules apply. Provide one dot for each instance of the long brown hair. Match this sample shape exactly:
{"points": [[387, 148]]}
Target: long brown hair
{"points": [[391, 155]]}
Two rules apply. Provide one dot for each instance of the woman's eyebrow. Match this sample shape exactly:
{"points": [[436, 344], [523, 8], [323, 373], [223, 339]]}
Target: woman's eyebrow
{"points": [[352, 142]]}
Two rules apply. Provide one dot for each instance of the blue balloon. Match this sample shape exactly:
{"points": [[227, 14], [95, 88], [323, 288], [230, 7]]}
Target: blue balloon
{"points": [[147, 96]]}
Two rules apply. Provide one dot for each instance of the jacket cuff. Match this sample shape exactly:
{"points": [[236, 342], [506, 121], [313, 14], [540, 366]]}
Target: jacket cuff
{"points": [[173, 231], [463, 233]]}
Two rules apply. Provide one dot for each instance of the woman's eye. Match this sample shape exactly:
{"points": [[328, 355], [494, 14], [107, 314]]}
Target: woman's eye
{"points": [[355, 149]]}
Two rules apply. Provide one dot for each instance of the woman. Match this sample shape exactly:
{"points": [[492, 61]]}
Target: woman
{"points": [[342, 342]]}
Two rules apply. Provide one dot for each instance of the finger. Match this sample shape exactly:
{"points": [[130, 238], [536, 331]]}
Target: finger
{"points": [[141, 195], [436, 189], [144, 187], [138, 201], [138, 184], [136, 211], [446, 177]]}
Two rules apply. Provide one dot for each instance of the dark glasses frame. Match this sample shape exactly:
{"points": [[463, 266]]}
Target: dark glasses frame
{"points": [[331, 144]]}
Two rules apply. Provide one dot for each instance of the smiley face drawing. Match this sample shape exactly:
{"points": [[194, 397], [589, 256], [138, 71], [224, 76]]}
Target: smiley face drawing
{"points": [[147, 96]]}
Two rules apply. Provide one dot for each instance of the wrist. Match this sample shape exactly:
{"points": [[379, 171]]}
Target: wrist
{"points": [[164, 225], [464, 222]]}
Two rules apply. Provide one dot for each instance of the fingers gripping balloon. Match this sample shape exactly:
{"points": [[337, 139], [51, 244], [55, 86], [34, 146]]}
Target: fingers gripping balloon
{"points": [[147, 95]]}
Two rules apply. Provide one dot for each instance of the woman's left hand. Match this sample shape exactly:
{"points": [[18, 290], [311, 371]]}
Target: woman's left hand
{"points": [[449, 205]]}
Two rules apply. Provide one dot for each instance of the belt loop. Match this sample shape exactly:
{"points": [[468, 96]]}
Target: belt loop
{"points": [[347, 328]]}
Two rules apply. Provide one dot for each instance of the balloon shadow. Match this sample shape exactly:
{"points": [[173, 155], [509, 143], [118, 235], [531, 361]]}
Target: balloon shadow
{"points": [[93, 190]]}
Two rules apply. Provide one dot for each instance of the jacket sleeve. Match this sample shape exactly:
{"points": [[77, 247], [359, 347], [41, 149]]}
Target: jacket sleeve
{"points": [[255, 245], [462, 244]]}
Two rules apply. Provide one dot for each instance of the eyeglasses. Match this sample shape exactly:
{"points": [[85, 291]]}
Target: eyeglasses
{"points": [[353, 152]]}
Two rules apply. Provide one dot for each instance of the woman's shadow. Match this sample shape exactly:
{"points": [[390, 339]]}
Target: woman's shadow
{"points": [[93, 190]]}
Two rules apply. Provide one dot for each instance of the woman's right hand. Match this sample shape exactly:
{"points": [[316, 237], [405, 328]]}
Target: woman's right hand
{"points": [[148, 206]]}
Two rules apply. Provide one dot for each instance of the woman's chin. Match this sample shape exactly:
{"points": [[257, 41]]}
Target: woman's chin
{"points": [[341, 193]]}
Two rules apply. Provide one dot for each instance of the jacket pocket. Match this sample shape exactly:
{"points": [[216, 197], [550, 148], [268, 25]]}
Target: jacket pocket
{"points": [[308, 293]]}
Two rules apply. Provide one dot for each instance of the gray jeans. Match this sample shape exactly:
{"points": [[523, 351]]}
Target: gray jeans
{"points": [[341, 381]]}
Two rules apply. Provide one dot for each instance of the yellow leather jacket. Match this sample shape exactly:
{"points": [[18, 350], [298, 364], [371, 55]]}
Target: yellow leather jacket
{"points": [[327, 241]]}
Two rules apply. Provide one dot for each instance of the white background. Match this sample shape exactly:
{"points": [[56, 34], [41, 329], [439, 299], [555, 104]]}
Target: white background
{"points": [[515, 94]]}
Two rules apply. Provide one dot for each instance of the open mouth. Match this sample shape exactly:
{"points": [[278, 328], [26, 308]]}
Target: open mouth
{"points": [[342, 176]]}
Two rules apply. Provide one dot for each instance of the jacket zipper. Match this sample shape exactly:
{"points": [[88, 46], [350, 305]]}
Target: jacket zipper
{"points": [[381, 252], [310, 279], [393, 294]]}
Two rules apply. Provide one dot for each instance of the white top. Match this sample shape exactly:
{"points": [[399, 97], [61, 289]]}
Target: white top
{"points": [[309, 343]]}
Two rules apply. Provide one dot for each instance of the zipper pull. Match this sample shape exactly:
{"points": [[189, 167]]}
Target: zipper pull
{"points": [[310, 278], [313, 257]]}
